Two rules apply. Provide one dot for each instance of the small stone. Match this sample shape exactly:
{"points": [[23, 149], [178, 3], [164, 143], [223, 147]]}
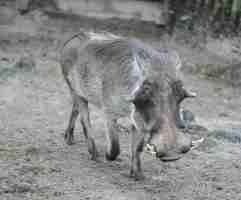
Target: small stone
{"points": [[223, 114], [51, 131], [27, 159], [22, 6], [219, 188], [57, 194], [5, 59], [22, 188]]}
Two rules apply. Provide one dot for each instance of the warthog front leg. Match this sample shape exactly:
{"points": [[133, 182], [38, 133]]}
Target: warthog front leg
{"points": [[137, 145], [113, 146]]}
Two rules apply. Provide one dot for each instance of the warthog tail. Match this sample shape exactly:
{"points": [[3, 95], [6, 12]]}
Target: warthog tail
{"points": [[80, 35]]}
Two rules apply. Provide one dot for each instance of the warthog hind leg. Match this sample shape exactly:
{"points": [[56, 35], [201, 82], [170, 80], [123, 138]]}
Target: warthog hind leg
{"points": [[87, 129], [69, 133]]}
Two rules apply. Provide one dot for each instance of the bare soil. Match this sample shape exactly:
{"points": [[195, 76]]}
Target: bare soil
{"points": [[35, 162]]}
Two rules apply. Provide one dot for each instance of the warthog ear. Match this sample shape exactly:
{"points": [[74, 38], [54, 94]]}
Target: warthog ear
{"points": [[145, 93], [180, 92]]}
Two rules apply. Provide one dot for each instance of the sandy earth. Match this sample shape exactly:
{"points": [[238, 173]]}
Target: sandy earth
{"points": [[35, 162]]}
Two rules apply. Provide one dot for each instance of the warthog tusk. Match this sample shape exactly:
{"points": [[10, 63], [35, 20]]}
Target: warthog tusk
{"points": [[150, 149], [191, 94], [196, 143]]}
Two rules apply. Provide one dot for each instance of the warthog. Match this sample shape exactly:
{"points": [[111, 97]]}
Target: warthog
{"points": [[126, 78]]}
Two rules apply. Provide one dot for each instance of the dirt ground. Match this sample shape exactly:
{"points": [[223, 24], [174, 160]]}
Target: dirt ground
{"points": [[35, 162]]}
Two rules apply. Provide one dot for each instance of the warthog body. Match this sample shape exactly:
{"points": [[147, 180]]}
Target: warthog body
{"points": [[125, 78]]}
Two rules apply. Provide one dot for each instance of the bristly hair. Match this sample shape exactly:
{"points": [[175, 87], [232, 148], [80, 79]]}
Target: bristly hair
{"points": [[120, 50]]}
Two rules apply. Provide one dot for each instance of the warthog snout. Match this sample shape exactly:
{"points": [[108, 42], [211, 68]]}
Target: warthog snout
{"points": [[162, 152]]}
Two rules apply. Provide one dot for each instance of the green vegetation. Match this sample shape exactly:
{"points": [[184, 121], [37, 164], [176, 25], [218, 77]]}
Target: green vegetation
{"points": [[222, 16], [232, 135], [23, 66], [27, 153], [210, 71]]}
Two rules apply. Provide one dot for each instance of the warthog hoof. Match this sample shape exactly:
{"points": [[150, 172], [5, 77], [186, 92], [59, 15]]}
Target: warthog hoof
{"points": [[69, 137], [92, 149], [113, 155], [113, 152], [137, 175]]}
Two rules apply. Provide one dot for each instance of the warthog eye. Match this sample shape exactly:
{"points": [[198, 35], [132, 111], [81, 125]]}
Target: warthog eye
{"points": [[178, 90], [145, 93]]}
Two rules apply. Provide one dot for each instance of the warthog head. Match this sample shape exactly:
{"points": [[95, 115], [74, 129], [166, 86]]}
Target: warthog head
{"points": [[156, 105]]}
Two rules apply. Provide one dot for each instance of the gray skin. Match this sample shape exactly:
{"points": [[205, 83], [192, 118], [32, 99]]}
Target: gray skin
{"points": [[183, 117], [125, 78]]}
